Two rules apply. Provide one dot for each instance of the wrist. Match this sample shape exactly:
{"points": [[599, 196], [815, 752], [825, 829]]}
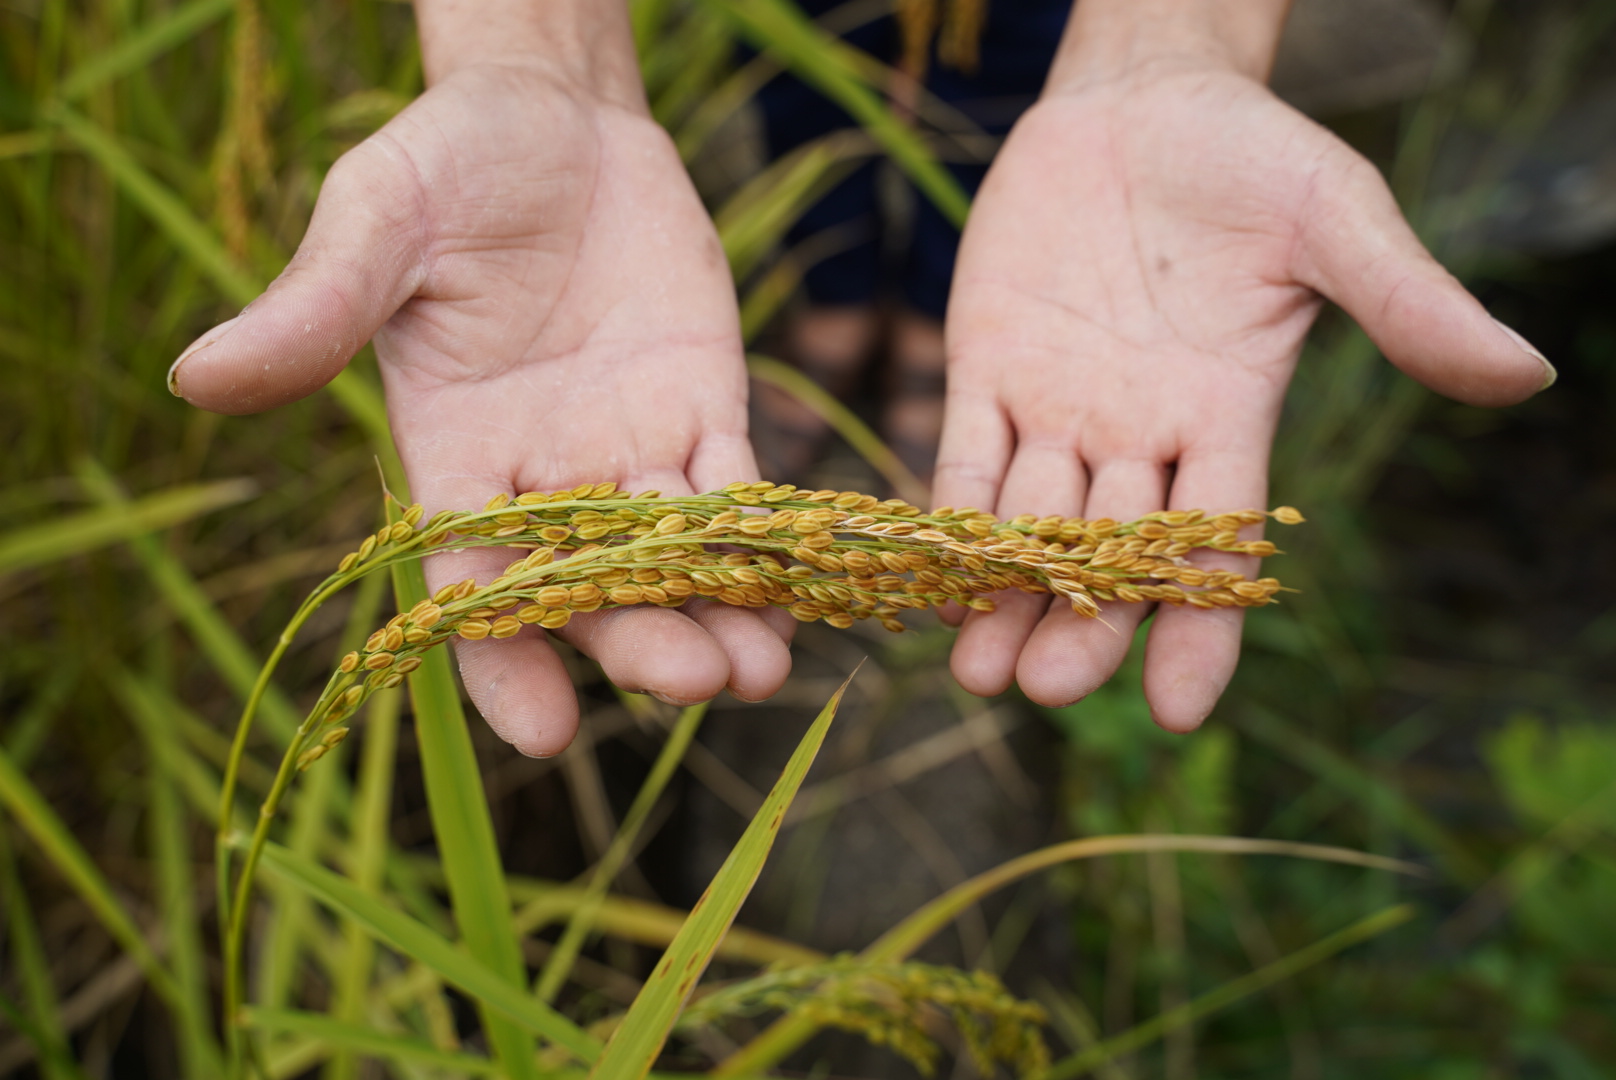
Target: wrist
{"points": [[588, 43], [1110, 39]]}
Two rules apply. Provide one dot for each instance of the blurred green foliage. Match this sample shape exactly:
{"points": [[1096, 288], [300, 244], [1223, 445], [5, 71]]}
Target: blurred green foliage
{"points": [[158, 161]]}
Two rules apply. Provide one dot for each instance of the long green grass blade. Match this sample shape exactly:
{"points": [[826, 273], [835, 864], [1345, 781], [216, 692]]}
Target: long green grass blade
{"points": [[35, 817], [289, 929], [367, 1041], [634, 1047], [141, 47], [443, 956], [367, 848], [196, 242], [42, 1023], [53, 1054], [559, 965], [781, 30], [756, 218], [1085, 1061], [199, 1052], [919, 927], [88, 530], [465, 833], [844, 421], [1352, 779], [792, 1030]]}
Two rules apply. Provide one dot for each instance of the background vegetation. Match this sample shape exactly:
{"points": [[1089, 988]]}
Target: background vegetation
{"points": [[1440, 690]]}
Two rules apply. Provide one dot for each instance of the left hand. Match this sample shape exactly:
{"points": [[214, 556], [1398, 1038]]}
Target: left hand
{"points": [[1133, 288]]}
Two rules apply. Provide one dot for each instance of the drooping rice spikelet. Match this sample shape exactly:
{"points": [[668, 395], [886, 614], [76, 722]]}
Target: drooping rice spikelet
{"points": [[831, 556]]}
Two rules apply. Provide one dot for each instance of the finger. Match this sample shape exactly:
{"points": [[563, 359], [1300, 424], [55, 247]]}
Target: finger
{"points": [[759, 659], [1067, 657], [722, 458], [1191, 653], [1358, 250], [971, 460], [974, 451], [359, 261], [1043, 478], [758, 666], [652, 650], [523, 690]]}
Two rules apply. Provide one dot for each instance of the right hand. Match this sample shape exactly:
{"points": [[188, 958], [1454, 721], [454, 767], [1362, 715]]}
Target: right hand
{"points": [[550, 306]]}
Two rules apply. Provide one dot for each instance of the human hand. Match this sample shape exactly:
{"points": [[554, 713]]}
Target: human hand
{"points": [[1133, 288], [550, 306]]}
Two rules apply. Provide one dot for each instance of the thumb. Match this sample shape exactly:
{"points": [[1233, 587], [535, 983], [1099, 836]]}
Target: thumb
{"points": [[359, 261], [1357, 249]]}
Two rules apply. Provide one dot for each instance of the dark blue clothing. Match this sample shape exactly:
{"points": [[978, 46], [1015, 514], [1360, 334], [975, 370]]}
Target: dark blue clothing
{"points": [[1016, 48]]}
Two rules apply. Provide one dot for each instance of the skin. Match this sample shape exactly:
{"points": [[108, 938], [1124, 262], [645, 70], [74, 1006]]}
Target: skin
{"points": [[550, 305], [1133, 288]]}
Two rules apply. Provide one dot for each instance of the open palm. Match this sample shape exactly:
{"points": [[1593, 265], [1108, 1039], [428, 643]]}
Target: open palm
{"points": [[550, 306], [1137, 276]]}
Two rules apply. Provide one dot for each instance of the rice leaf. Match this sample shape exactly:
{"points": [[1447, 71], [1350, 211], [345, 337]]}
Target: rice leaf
{"points": [[196, 241], [1085, 1061], [559, 965], [846, 423], [35, 816], [142, 46], [792, 1030], [367, 852], [465, 835], [634, 1047], [42, 1023], [368, 1041], [780, 29], [88, 530], [420, 943], [171, 844]]}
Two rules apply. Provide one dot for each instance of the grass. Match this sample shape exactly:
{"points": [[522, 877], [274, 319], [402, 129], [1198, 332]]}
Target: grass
{"points": [[410, 921]]}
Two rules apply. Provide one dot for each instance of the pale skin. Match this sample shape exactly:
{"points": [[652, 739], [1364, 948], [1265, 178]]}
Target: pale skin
{"points": [[550, 305]]}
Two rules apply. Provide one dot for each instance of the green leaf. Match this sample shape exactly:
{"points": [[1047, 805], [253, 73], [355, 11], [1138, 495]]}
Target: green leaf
{"points": [[780, 29], [432, 950], [34, 815], [1085, 1061], [465, 835], [846, 423], [171, 844], [74, 534], [367, 852], [42, 1023], [559, 965], [141, 47], [791, 1031], [757, 217], [638, 1040], [372, 1043], [198, 244]]}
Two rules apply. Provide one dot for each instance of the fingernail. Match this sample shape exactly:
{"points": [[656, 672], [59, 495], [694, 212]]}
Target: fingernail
{"points": [[1549, 374], [667, 699], [206, 341]]}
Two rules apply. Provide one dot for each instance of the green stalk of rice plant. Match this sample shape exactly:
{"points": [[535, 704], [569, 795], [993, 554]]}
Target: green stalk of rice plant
{"points": [[424, 945], [34, 816], [39, 1015], [793, 1029], [638, 1039], [465, 832], [1088, 1060], [559, 965]]}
